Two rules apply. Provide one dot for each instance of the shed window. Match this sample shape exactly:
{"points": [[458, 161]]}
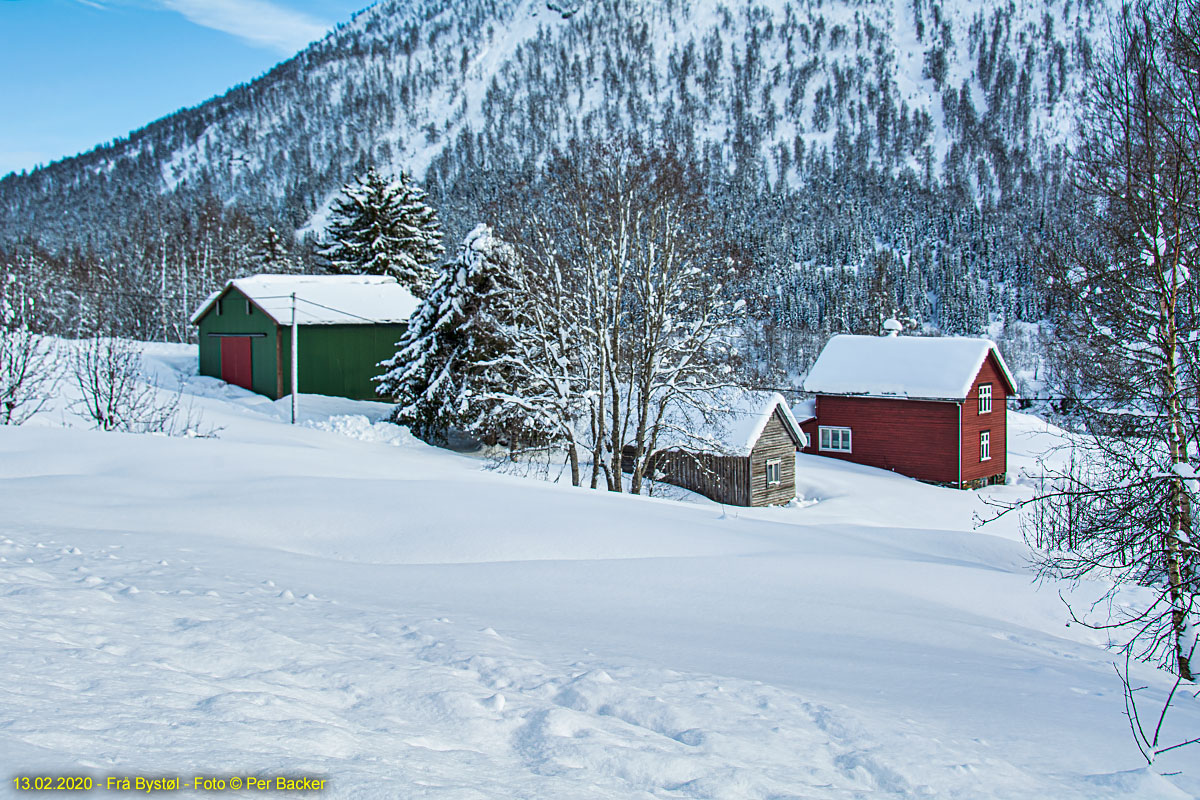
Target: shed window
{"points": [[836, 440], [249, 309], [218, 308], [773, 472], [985, 445], [985, 398]]}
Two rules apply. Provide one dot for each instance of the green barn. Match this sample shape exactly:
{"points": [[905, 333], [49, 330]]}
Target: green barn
{"points": [[347, 325]]}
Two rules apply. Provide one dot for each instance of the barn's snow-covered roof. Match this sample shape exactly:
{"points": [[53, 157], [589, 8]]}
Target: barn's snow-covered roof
{"points": [[911, 367], [730, 423], [323, 299]]}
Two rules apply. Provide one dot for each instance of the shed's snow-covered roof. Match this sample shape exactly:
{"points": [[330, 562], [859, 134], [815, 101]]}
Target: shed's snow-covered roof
{"points": [[323, 299], [730, 424], [913, 367]]}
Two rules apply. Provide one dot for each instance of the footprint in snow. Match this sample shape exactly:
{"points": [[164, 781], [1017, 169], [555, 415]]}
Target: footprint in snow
{"points": [[495, 702], [286, 594], [491, 632], [130, 590]]}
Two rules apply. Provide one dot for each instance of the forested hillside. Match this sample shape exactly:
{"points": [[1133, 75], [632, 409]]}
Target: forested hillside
{"points": [[867, 157]]}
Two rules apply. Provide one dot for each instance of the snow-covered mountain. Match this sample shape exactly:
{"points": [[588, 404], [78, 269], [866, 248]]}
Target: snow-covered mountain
{"points": [[868, 157], [441, 87]]}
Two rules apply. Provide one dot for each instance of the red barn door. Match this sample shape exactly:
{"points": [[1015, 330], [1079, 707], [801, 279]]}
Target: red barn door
{"points": [[235, 361]]}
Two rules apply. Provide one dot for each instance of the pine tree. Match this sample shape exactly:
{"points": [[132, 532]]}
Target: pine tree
{"points": [[455, 353], [383, 227], [271, 254]]}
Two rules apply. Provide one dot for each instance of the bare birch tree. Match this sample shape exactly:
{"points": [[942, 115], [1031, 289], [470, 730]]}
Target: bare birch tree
{"points": [[29, 371], [681, 349], [629, 312], [116, 396], [1121, 510]]}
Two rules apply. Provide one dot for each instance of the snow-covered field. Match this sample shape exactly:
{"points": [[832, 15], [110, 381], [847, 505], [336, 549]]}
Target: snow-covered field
{"points": [[337, 599]]}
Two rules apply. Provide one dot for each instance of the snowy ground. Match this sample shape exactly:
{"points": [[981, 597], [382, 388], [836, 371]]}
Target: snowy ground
{"points": [[337, 599]]}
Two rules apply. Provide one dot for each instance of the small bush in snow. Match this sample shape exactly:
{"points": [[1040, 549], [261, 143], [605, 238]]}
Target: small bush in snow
{"points": [[115, 396], [29, 373]]}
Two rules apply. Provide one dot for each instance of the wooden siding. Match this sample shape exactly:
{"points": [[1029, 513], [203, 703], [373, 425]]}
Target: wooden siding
{"points": [[974, 470], [733, 480], [809, 426], [774, 442], [918, 438], [724, 479], [339, 360]]}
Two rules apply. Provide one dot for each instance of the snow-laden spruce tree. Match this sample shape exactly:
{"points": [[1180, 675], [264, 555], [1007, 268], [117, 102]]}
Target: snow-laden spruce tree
{"points": [[1121, 511], [381, 226], [271, 254], [455, 357]]}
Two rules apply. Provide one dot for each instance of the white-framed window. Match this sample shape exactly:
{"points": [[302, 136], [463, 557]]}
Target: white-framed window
{"points": [[985, 445], [985, 398], [835, 440], [773, 469]]}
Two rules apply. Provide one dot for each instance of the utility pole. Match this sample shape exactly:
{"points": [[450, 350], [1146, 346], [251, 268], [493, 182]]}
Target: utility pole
{"points": [[295, 363]]}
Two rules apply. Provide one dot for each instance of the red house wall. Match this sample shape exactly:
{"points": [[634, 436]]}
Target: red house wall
{"points": [[918, 438], [996, 422]]}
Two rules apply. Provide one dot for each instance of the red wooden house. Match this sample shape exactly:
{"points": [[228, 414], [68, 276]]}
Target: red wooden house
{"points": [[932, 408]]}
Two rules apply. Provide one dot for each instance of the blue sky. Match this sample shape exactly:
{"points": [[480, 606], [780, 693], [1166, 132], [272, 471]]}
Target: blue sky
{"points": [[77, 73]]}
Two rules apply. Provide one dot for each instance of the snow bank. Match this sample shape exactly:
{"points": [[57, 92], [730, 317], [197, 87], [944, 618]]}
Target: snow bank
{"points": [[338, 599]]}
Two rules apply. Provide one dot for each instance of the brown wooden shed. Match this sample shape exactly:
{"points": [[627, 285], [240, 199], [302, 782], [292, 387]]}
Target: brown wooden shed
{"points": [[746, 458]]}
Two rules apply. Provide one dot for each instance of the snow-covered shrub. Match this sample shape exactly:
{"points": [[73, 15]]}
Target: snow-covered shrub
{"points": [[29, 373], [114, 395]]}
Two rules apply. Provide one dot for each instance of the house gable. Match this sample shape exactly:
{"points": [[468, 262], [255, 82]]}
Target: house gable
{"points": [[234, 321], [993, 423], [778, 442]]}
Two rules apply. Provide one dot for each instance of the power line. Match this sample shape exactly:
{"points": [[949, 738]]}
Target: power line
{"points": [[321, 305]]}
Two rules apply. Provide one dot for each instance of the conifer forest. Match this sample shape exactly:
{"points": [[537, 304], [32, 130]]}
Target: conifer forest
{"points": [[863, 159]]}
